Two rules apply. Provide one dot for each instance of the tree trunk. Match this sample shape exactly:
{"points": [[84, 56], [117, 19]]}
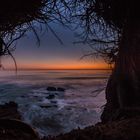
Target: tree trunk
{"points": [[123, 88]]}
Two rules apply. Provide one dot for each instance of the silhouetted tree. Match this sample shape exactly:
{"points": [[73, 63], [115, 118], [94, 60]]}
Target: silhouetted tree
{"points": [[19, 16], [123, 89], [110, 27]]}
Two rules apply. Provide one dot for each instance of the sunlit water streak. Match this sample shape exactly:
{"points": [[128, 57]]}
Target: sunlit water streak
{"points": [[79, 105]]}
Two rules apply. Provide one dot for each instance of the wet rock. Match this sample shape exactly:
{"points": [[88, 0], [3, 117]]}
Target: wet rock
{"points": [[51, 96], [48, 106], [60, 89], [23, 96], [35, 96], [54, 102], [51, 88], [56, 94]]}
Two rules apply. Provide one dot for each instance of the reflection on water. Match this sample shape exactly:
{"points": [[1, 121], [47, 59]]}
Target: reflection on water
{"points": [[54, 112]]}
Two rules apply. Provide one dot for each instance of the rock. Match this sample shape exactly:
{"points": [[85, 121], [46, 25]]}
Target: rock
{"points": [[51, 88], [35, 96], [48, 106], [55, 89], [60, 89], [51, 96], [16, 130], [56, 94], [9, 111], [112, 104], [54, 102], [127, 129], [11, 126], [23, 96]]}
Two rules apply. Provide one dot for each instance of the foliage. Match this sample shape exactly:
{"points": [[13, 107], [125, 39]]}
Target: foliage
{"points": [[101, 21]]}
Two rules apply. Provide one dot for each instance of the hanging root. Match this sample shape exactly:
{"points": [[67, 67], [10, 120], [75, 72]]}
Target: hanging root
{"points": [[5, 50]]}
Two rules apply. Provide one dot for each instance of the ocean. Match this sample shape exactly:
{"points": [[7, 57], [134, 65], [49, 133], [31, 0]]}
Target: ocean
{"points": [[56, 101]]}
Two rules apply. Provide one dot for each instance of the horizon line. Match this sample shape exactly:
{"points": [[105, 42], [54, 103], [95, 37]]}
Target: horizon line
{"points": [[58, 69]]}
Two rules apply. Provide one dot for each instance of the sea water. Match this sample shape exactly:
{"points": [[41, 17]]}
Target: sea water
{"points": [[53, 112]]}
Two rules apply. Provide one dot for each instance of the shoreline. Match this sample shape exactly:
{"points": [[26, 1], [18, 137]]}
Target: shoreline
{"points": [[126, 127]]}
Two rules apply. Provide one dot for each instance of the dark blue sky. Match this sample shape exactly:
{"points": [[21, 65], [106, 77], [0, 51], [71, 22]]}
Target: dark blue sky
{"points": [[51, 54]]}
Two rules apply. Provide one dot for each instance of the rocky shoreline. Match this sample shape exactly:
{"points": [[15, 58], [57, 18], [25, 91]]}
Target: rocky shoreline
{"points": [[124, 126], [127, 129]]}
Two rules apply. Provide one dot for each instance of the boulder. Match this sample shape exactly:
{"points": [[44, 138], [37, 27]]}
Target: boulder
{"points": [[11, 126], [51, 88], [48, 106], [61, 89], [9, 111], [51, 96], [11, 129]]}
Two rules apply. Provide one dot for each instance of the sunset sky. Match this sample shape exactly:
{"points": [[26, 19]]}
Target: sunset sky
{"points": [[51, 54]]}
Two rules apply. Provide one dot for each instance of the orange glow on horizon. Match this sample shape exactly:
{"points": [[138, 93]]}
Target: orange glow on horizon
{"points": [[59, 64], [65, 66]]}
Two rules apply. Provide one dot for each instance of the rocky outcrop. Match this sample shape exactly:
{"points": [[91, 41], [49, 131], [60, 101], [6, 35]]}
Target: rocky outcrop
{"points": [[60, 89], [127, 129], [123, 125], [11, 126], [51, 89], [9, 111], [11, 129]]}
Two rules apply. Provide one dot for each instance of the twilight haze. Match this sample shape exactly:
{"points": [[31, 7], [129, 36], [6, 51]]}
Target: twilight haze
{"points": [[51, 54]]}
